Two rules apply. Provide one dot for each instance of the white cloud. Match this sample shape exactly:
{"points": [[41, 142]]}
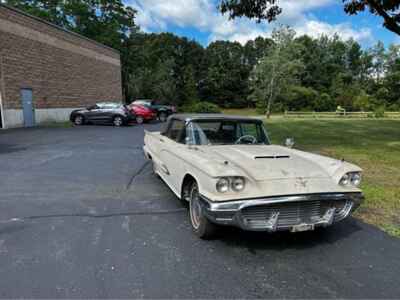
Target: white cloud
{"points": [[294, 11], [178, 12], [156, 15], [147, 21], [344, 30]]}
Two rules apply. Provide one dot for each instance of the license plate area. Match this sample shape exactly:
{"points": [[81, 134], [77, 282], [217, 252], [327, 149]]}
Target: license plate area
{"points": [[302, 227]]}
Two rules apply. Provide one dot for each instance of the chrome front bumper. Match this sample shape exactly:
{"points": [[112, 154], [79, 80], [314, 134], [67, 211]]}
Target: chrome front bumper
{"points": [[294, 212]]}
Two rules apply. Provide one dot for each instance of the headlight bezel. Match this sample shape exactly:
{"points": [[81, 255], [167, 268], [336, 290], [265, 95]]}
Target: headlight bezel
{"points": [[241, 181], [227, 184], [356, 179], [222, 182], [351, 179]]}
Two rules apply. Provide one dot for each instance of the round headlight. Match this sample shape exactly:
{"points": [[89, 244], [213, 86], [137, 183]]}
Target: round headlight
{"points": [[356, 179], [345, 180], [238, 184], [222, 185]]}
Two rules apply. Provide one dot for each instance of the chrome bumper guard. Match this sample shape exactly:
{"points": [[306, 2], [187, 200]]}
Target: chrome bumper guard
{"points": [[294, 212]]}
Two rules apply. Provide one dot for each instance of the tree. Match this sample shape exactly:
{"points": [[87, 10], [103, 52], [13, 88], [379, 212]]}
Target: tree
{"points": [[391, 82], [268, 10], [253, 9], [225, 81], [379, 61], [277, 70], [164, 84], [190, 93], [106, 21], [387, 9], [152, 58], [254, 50]]}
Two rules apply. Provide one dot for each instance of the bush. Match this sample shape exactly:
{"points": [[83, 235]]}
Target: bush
{"points": [[379, 112], [364, 102], [394, 107], [204, 107], [324, 103], [301, 98]]}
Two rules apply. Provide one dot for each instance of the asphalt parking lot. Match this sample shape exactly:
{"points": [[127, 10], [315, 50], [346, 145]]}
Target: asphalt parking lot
{"points": [[82, 215]]}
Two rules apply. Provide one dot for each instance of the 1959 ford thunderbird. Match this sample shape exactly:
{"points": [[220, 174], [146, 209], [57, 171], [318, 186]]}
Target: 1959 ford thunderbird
{"points": [[228, 171]]}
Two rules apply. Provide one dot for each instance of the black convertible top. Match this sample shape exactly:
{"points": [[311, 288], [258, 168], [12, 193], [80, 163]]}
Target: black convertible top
{"points": [[192, 117]]}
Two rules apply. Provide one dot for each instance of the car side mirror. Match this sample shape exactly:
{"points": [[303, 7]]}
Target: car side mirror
{"points": [[289, 142]]}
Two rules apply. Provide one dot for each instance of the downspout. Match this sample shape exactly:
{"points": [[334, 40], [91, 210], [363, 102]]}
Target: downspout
{"points": [[2, 92]]}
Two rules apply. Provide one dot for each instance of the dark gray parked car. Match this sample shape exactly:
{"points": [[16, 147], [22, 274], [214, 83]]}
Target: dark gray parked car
{"points": [[116, 114]]}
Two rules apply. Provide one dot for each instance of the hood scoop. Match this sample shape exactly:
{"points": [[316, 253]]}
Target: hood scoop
{"points": [[271, 156]]}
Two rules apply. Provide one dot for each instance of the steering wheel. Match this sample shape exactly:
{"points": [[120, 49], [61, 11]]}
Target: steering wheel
{"points": [[253, 139]]}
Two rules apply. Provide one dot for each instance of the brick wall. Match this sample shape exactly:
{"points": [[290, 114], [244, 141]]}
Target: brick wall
{"points": [[64, 70]]}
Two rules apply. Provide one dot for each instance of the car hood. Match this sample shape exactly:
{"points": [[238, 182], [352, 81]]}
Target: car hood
{"points": [[266, 162]]}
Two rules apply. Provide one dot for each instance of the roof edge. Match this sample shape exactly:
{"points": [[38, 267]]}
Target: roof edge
{"points": [[58, 27]]}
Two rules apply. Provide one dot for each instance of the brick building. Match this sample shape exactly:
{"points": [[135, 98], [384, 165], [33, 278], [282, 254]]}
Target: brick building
{"points": [[46, 71]]}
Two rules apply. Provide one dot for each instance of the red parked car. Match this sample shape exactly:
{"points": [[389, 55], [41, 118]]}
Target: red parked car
{"points": [[143, 113]]}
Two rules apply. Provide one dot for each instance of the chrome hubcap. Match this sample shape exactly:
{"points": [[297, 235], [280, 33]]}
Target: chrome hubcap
{"points": [[139, 120], [195, 208]]}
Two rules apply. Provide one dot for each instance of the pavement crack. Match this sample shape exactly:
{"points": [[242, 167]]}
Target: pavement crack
{"points": [[97, 216], [132, 179]]}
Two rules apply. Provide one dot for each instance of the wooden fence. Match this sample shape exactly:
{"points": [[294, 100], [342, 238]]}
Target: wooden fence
{"points": [[339, 115]]}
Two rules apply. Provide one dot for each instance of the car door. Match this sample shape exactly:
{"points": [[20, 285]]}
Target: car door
{"points": [[109, 111], [92, 112], [172, 145]]}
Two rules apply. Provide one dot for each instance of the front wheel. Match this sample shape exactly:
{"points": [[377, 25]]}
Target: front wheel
{"points": [[118, 121], [163, 116], [201, 226], [139, 120], [78, 120]]}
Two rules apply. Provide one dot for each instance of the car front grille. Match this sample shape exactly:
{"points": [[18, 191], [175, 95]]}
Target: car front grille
{"points": [[293, 213]]}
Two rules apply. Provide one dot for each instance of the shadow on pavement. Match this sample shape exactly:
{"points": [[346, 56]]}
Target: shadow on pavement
{"points": [[254, 241]]}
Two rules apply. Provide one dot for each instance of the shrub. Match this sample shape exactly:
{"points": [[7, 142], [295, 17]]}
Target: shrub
{"points": [[364, 102], [379, 112], [394, 107], [204, 107], [324, 103], [301, 98]]}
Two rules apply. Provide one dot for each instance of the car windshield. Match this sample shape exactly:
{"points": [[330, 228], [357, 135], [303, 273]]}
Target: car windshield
{"points": [[226, 132], [143, 102]]}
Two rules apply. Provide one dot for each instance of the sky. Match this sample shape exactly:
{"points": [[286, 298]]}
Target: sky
{"points": [[200, 20]]}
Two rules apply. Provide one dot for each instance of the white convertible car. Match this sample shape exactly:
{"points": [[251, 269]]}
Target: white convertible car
{"points": [[228, 171]]}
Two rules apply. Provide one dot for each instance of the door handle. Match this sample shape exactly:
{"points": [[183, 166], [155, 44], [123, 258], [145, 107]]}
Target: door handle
{"points": [[161, 140]]}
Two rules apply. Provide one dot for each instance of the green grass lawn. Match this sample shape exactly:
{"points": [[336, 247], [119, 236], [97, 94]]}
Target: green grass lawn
{"points": [[374, 145]]}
